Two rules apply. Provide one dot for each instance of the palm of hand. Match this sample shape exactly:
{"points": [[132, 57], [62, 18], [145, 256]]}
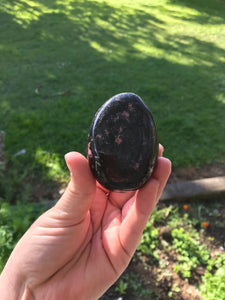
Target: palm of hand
{"points": [[69, 255]]}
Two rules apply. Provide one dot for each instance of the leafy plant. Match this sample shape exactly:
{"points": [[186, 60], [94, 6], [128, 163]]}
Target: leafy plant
{"points": [[149, 242], [121, 288], [174, 289], [175, 220], [14, 221], [216, 262], [159, 216], [13, 185], [133, 283], [191, 252], [213, 285], [137, 287], [213, 281], [6, 244]]}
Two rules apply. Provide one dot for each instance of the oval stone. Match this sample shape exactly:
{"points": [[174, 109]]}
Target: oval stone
{"points": [[122, 143]]}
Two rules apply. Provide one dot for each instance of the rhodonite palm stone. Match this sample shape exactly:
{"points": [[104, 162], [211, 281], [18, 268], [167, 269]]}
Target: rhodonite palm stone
{"points": [[122, 143]]}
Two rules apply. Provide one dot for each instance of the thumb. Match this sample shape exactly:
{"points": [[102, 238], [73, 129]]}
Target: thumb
{"points": [[80, 191]]}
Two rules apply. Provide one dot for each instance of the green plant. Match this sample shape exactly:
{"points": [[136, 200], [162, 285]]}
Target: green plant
{"points": [[7, 244], [213, 285], [135, 286], [121, 288], [191, 252], [14, 221], [175, 220], [159, 216], [216, 263], [213, 281], [13, 185], [174, 289], [149, 242]]}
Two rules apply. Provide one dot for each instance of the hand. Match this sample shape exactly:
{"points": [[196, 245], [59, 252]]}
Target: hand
{"points": [[78, 248]]}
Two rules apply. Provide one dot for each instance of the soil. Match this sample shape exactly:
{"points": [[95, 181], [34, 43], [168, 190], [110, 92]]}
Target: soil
{"points": [[162, 282]]}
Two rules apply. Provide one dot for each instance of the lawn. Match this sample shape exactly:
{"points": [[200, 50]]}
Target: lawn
{"points": [[61, 60]]}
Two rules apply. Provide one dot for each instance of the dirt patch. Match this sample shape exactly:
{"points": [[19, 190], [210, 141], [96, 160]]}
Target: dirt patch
{"points": [[163, 281], [46, 191]]}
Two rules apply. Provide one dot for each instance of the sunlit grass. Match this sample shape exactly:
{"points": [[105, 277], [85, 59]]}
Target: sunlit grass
{"points": [[171, 53], [24, 12], [50, 163]]}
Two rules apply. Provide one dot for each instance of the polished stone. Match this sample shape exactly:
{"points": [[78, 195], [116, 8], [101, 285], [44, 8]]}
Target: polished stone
{"points": [[122, 143]]}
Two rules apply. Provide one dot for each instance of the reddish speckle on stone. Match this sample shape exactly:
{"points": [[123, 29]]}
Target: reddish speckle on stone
{"points": [[125, 114], [136, 166], [130, 107], [120, 130], [118, 140]]}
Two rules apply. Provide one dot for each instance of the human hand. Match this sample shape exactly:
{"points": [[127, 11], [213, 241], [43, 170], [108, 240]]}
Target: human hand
{"points": [[78, 248]]}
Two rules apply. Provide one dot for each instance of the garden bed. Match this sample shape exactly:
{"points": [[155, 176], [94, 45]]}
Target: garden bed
{"points": [[181, 250]]}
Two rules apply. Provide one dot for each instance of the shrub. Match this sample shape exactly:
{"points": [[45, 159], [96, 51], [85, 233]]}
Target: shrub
{"points": [[191, 252], [14, 221], [213, 285]]}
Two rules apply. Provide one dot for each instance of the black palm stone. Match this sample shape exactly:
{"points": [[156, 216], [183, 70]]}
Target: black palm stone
{"points": [[122, 143]]}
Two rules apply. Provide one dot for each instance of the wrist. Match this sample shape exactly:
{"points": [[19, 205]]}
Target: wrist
{"points": [[12, 286]]}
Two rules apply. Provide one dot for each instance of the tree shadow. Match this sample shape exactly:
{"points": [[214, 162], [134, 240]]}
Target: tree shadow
{"points": [[94, 50], [209, 12]]}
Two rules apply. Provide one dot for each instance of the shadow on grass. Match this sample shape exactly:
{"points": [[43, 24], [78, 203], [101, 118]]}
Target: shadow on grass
{"points": [[62, 60], [209, 12]]}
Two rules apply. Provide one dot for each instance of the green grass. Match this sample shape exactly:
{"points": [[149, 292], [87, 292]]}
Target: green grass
{"points": [[171, 53]]}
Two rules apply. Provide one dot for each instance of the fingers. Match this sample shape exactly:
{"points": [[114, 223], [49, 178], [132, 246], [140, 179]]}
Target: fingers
{"points": [[81, 189], [119, 199], [137, 215]]}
